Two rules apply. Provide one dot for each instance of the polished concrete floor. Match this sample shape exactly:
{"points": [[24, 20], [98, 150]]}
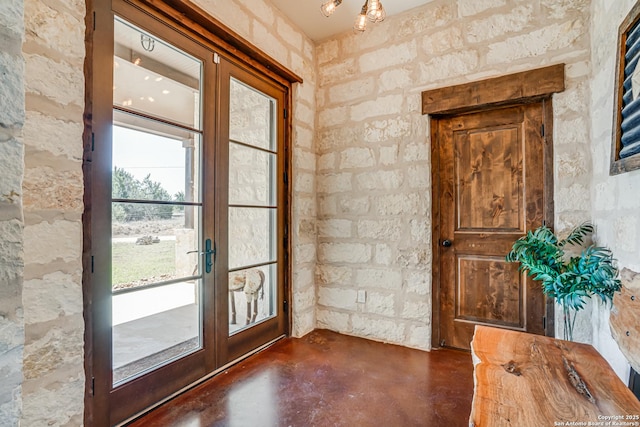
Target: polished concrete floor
{"points": [[328, 379]]}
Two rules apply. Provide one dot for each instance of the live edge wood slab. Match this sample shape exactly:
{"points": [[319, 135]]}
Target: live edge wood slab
{"points": [[530, 380]]}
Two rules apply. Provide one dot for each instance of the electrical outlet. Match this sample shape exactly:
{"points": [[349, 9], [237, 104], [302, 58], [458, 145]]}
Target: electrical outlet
{"points": [[362, 297]]}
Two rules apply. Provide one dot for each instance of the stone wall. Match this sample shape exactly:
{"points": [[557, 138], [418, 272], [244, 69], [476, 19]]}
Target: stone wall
{"points": [[374, 189], [616, 200], [371, 180], [267, 28], [12, 116], [53, 365], [44, 383]]}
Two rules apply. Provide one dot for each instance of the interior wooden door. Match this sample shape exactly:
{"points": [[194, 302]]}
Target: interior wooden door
{"points": [[490, 191]]}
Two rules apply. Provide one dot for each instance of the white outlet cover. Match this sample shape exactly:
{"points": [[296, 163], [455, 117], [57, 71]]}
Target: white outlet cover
{"points": [[362, 296]]}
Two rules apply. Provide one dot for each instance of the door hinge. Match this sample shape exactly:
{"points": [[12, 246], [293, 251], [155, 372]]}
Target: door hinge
{"points": [[541, 130], [286, 178], [216, 58], [285, 113], [94, 20], [285, 306], [93, 141], [544, 323], [92, 263], [93, 386]]}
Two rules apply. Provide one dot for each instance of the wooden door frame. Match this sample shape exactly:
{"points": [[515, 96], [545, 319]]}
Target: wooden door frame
{"points": [[198, 25], [515, 89]]}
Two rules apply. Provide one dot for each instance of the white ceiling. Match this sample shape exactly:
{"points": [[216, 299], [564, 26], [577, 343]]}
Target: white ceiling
{"points": [[306, 14]]}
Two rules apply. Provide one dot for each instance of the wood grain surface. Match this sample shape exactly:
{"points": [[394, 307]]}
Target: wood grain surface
{"points": [[490, 192], [625, 317], [538, 83], [530, 380]]}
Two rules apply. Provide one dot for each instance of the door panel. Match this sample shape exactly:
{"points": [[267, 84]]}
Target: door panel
{"points": [[488, 179], [490, 193], [158, 213], [489, 291], [252, 210]]}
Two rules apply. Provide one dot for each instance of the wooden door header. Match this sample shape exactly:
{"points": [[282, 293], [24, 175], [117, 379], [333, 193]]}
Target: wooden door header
{"points": [[513, 88]]}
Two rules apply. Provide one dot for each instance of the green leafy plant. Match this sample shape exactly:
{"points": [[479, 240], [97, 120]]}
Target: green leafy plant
{"points": [[568, 279]]}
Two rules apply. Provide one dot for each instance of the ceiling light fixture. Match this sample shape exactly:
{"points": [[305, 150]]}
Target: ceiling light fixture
{"points": [[372, 10], [361, 20]]}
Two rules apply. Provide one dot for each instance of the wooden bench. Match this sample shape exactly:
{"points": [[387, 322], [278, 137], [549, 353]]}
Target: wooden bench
{"points": [[529, 380]]}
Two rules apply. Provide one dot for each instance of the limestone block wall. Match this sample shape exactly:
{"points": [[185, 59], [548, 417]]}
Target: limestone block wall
{"points": [[41, 303], [270, 30], [12, 116], [616, 199], [53, 50], [374, 189]]}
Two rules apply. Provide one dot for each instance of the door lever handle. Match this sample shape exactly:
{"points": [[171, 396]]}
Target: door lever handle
{"points": [[208, 253]]}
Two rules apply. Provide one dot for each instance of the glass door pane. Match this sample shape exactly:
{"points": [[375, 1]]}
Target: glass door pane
{"points": [[156, 206], [253, 210]]}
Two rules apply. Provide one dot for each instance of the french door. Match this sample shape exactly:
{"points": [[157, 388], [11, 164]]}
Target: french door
{"points": [[187, 212]]}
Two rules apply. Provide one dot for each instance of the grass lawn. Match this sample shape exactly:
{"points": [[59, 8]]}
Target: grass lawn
{"points": [[133, 262]]}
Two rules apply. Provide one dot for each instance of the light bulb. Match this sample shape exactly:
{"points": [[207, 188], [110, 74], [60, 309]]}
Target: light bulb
{"points": [[361, 20], [329, 7], [361, 23], [380, 14], [375, 11]]}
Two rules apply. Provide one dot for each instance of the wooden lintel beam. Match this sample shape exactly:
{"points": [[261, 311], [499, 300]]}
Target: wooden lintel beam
{"points": [[514, 88]]}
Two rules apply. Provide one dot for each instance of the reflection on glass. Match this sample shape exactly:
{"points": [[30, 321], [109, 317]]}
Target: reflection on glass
{"points": [[251, 232], [251, 175], [251, 116], [155, 78], [156, 204], [252, 296], [154, 326], [150, 166]]}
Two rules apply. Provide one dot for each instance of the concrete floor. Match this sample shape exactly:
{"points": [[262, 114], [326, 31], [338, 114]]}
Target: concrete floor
{"points": [[328, 379]]}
